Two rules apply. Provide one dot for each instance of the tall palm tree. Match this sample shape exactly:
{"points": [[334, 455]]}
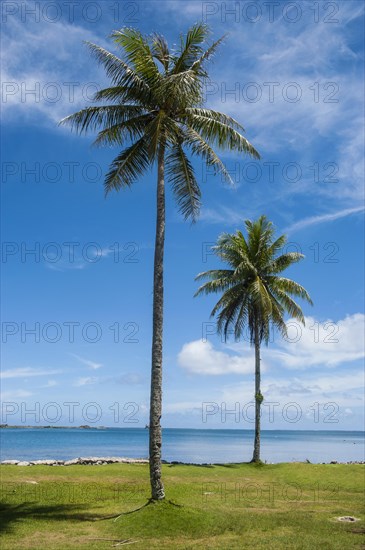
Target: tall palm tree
{"points": [[255, 295], [154, 110]]}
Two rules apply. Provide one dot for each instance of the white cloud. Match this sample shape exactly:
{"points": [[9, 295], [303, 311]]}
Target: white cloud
{"points": [[317, 62], [325, 343], [87, 381], [26, 372], [200, 357], [323, 218], [50, 384], [223, 214], [92, 364], [44, 74], [184, 407], [342, 389], [15, 394]]}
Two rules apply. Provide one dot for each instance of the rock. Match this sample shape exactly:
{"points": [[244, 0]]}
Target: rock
{"points": [[44, 462], [91, 460], [72, 462]]}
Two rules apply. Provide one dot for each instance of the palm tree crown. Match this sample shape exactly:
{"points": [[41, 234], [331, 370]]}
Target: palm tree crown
{"points": [[254, 292], [255, 295], [156, 99]]}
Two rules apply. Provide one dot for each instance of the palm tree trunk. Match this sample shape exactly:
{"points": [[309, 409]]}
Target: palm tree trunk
{"points": [[155, 432], [258, 397]]}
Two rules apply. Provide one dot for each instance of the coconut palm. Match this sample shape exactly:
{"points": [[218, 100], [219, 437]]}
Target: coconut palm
{"points": [[154, 111], [255, 295]]}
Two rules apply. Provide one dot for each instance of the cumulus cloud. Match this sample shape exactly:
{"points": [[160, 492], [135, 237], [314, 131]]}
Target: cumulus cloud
{"points": [[200, 357], [325, 343]]}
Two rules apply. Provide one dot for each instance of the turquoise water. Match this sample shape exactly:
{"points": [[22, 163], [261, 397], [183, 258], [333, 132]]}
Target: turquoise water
{"points": [[185, 445]]}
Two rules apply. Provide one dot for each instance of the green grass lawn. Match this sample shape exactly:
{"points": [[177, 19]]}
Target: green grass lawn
{"points": [[277, 506]]}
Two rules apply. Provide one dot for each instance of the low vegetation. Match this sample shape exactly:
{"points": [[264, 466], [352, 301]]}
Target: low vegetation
{"points": [[224, 506]]}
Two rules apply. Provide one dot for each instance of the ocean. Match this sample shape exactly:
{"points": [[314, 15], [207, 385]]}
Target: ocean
{"points": [[183, 445]]}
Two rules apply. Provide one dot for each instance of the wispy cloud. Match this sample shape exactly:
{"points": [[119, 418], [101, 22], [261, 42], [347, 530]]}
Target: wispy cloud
{"points": [[15, 394], [50, 384], [86, 381], [92, 364], [323, 218], [46, 74], [26, 372], [341, 389]]}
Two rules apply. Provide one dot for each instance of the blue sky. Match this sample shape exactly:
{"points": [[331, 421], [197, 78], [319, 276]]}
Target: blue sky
{"points": [[76, 312]]}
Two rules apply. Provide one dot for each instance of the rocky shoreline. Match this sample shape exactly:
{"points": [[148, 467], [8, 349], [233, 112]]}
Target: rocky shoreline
{"points": [[91, 460], [102, 461]]}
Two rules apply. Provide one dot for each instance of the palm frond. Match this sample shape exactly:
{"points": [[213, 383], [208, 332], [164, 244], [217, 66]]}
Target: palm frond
{"points": [[191, 48], [118, 70], [197, 66], [215, 115], [160, 50], [220, 280], [127, 95], [130, 164], [138, 54], [202, 149], [92, 118], [185, 187], [221, 134], [253, 295], [284, 261], [291, 307], [291, 287], [133, 128]]}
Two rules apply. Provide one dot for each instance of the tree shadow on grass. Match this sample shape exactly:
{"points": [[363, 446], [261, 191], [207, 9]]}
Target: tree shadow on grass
{"points": [[11, 514]]}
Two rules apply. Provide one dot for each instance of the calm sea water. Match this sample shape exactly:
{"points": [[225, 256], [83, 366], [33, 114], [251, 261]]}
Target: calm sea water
{"points": [[185, 445]]}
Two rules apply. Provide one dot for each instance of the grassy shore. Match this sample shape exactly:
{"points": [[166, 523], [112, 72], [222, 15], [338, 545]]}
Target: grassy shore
{"points": [[276, 506]]}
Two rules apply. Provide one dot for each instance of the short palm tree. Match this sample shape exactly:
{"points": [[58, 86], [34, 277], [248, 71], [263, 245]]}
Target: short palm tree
{"points": [[255, 295], [154, 111]]}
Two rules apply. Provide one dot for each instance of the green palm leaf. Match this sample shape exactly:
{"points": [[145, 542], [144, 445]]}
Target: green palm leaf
{"points": [[253, 279], [185, 187], [128, 166]]}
